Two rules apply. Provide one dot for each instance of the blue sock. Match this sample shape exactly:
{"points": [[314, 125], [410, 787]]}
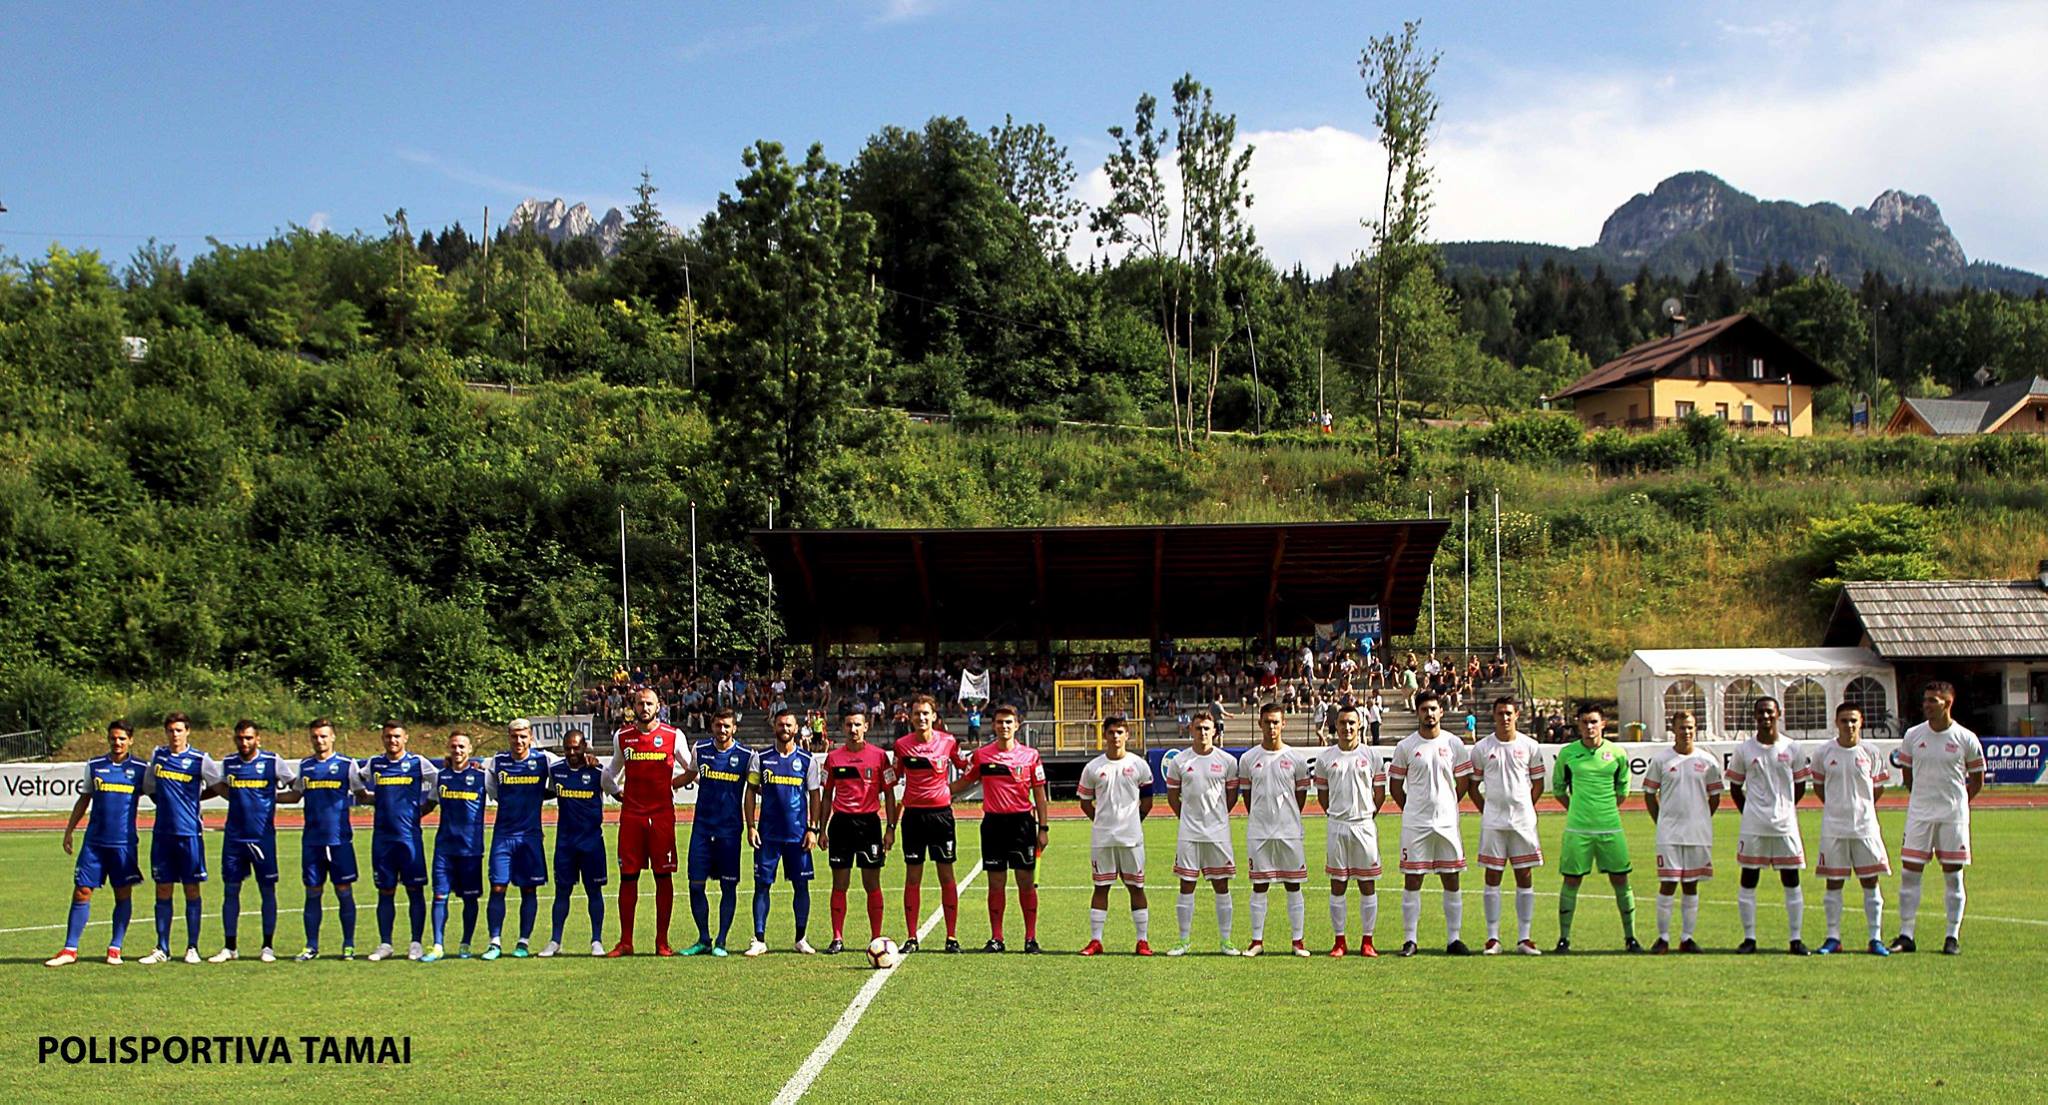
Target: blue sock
{"points": [[497, 915], [269, 892], [468, 919], [163, 924], [529, 911], [193, 908], [728, 900], [596, 894], [345, 901], [440, 916], [387, 916], [313, 912], [124, 908], [800, 890], [700, 911], [561, 911], [761, 910], [418, 910], [230, 913], [75, 925]]}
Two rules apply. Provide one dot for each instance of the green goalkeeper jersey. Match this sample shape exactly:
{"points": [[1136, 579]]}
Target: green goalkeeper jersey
{"points": [[1596, 780]]}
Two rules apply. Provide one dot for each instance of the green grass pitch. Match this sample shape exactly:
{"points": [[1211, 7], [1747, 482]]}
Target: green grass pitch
{"points": [[1592, 1026]]}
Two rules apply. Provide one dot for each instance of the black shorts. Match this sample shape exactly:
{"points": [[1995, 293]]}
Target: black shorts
{"points": [[854, 839], [1009, 841], [927, 830]]}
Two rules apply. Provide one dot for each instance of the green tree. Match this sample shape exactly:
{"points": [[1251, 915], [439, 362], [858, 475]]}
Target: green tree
{"points": [[1038, 176], [1397, 75], [1825, 320]]}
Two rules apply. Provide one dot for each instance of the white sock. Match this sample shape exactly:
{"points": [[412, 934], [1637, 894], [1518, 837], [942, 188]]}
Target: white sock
{"points": [[1745, 904], [1184, 912], [1664, 904], [1795, 910], [1258, 917], [1226, 914], [1297, 913], [1831, 902], [1525, 909], [1491, 896], [1368, 913], [1141, 919], [1411, 913], [1954, 901], [1689, 916], [1873, 912], [1096, 919], [1337, 911], [1454, 914], [1909, 902]]}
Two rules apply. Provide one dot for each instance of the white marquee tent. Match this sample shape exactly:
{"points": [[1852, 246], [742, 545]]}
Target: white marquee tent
{"points": [[1719, 685]]}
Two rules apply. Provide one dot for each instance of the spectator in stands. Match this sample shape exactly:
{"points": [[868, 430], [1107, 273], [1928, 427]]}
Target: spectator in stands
{"points": [[1375, 712]]}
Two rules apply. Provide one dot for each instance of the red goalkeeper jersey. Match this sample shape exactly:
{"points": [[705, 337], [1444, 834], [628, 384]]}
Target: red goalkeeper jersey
{"points": [[649, 765]]}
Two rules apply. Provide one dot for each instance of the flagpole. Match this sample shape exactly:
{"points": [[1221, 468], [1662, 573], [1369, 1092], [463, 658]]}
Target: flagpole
{"points": [[1432, 584], [1500, 637], [693, 585], [1468, 572], [625, 607]]}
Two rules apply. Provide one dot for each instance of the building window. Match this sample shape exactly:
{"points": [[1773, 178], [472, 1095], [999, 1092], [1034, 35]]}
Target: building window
{"points": [[1781, 416], [1738, 705], [1631, 412], [1721, 411], [1749, 414], [1684, 695], [1756, 368], [1867, 695], [1806, 707], [1686, 409]]}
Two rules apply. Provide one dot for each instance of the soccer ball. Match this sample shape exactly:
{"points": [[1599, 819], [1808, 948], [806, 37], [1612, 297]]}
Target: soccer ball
{"points": [[882, 953]]}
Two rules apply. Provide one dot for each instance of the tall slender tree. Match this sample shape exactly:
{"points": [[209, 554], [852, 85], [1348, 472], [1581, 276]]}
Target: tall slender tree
{"points": [[1397, 73]]}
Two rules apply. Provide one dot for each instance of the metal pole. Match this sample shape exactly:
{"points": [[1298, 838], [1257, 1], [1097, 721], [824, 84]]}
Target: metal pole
{"points": [[1258, 403], [693, 322], [771, 585], [1468, 572], [1500, 637], [693, 585], [625, 607], [1432, 584]]}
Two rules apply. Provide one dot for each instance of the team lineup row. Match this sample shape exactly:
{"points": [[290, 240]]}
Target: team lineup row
{"points": [[787, 802]]}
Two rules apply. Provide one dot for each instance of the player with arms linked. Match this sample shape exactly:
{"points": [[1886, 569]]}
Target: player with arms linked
{"points": [[461, 788], [579, 784], [858, 781], [723, 768], [179, 775], [112, 784], [1015, 812], [517, 782], [399, 785], [323, 782], [650, 760], [250, 780], [782, 820]]}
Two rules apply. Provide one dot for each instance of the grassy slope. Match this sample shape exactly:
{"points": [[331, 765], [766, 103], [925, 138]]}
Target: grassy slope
{"points": [[1115, 1028]]}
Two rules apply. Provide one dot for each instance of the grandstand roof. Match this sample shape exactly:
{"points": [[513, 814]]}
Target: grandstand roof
{"points": [[1096, 582]]}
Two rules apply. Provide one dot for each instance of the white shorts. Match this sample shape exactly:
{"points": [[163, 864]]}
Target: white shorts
{"points": [[1276, 861], [1204, 859], [1431, 852], [1500, 849], [1113, 862], [1944, 842], [1769, 851], [1843, 856], [1352, 850], [1685, 862]]}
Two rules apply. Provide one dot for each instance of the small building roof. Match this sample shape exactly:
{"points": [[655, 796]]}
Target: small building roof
{"points": [[1953, 619], [1977, 411], [1726, 662], [1660, 357]]}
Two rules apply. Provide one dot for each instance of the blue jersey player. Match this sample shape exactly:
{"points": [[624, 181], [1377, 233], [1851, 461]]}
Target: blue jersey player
{"points": [[400, 787], [723, 768], [782, 820], [324, 782], [579, 783], [461, 789], [179, 776], [113, 782], [518, 783], [250, 780]]}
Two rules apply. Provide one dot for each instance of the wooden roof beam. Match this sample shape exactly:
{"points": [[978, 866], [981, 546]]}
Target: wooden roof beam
{"points": [[1273, 586]]}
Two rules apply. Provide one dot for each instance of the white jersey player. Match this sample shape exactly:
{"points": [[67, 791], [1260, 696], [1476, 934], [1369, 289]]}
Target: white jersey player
{"points": [[1116, 794], [1352, 785], [1850, 775], [1943, 765], [1508, 773], [1273, 779], [1768, 777], [1201, 786], [1682, 789], [1430, 771]]}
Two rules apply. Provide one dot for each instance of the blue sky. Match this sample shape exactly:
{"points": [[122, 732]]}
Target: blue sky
{"points": [[185, 121]]}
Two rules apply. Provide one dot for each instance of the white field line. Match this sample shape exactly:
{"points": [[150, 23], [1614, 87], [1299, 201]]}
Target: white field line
{"points": [[800, 1082]]}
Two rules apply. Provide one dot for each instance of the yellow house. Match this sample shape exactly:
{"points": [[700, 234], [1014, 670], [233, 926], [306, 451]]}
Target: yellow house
{"points": [[1735, 369]]}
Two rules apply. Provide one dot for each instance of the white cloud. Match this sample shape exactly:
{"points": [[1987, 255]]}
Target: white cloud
{"points": [[899, 11], [749, 39], [317, 221]]}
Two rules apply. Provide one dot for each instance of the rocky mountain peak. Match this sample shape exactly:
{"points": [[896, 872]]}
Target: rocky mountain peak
{"points": [[1678, 205], [1914, 224], [558, 221]]}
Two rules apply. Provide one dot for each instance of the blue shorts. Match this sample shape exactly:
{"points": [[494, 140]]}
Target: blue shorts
{"points": [[335, 863], [795, 860], [396, 861], [177, 858], [518, 861], [584, 865], [462, 876], [240, 859], [713, 856], [99, 864]]}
